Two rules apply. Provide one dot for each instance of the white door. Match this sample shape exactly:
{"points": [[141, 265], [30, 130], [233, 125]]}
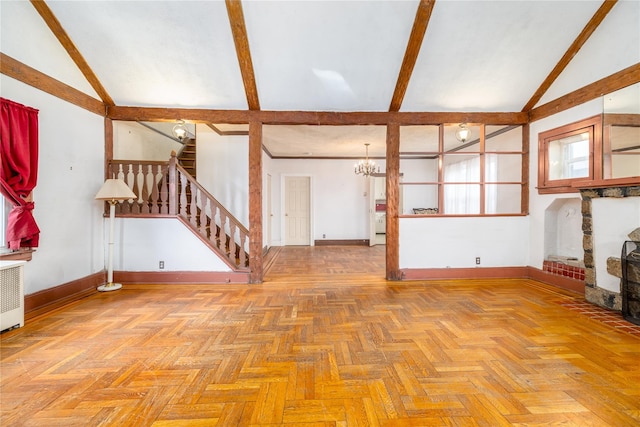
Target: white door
{"points": [[297, 210]]}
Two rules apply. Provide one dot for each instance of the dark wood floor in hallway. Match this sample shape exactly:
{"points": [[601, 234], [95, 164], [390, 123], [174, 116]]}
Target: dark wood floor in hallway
{"points": [[321, 343]]}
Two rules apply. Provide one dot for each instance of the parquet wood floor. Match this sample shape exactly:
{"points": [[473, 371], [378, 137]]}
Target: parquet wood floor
{"points": [[314, 348]]}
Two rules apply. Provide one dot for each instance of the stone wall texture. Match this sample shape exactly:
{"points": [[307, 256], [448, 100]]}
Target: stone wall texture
{"points": [[593, 293]]}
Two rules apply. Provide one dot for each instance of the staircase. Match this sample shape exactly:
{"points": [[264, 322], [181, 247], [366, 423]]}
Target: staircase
{"points": [[168, 189], [187, 156]]}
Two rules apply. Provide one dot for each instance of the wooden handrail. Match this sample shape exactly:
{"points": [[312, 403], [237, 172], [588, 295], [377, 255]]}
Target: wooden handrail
{"points": [[195, 183], [167, 189]]}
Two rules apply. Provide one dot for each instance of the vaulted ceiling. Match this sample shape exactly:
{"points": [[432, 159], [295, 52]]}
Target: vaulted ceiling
{"points": [[328, 56]]}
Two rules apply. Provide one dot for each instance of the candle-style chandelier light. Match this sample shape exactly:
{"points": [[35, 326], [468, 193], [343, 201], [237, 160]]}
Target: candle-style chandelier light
{"points": [[366, 167]]}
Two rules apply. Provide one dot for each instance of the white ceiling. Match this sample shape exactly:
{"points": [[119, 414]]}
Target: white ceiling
{"points": [[480, 56]]}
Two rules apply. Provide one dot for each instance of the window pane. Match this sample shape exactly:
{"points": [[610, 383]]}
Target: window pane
{"points": [[503, 168], [461, 199], [452, 143], [569, 157], [625, 152], [503, 138], [416, 198], [502, 198], [625, 165], [461, 168], [420, 169], [420, 139]]}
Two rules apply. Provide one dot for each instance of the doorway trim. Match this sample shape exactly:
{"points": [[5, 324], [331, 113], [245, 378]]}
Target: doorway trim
{"points": [[269, 212]]}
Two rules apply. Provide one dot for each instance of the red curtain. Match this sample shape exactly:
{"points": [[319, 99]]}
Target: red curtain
{"points": [[19, 170]]}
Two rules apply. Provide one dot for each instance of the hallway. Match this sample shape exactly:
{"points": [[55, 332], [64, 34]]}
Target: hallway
{"points": [[307, 262]]}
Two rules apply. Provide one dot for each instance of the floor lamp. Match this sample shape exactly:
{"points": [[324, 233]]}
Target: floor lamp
{"points": [[112, 191]]}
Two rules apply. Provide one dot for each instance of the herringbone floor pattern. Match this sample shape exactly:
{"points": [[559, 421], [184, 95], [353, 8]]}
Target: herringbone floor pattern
{"points": [[321, 349]]}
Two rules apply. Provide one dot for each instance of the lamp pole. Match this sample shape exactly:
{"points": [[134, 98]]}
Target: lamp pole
{"points": [[113, 190], [110, 286]]}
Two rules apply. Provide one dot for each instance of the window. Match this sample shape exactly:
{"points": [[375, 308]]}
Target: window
{"points": [[462, 198], [568, 154], [443, 175], [621, 146]]}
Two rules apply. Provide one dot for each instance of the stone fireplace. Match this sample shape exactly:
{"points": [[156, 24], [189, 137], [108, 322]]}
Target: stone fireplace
{"points": [[609, 214]]}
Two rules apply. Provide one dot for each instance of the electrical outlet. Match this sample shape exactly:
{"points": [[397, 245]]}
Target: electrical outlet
{"points": [[477, 260], [324, 236], [161, 265]]}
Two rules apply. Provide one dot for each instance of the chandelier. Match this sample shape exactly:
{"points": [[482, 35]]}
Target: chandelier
{"points": [[366, 167]]}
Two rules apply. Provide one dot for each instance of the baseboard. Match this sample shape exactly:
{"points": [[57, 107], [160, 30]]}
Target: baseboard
{"points": [[50, 299], [353, 242], [563, 282], [463, 273], [182, 277], [529, 272]]}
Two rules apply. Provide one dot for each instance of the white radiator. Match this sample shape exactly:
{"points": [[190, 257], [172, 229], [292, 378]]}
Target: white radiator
{"points": [[11, 294]]}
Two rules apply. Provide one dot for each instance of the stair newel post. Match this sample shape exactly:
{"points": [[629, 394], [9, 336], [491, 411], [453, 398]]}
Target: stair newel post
{"points": [[173, 187]]}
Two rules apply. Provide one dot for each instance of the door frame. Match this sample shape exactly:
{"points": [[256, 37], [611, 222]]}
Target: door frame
{"points": [[269, 211], [372, 210], [283, 178]]}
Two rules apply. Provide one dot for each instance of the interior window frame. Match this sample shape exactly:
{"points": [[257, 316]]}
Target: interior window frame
{"points": [[592, 126], [440, 184]]}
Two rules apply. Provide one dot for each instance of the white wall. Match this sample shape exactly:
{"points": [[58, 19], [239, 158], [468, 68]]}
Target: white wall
{"points": [[339, 198], [71, 155], [141, 243], [456, 242], [613, 220], [222, 165], [538, 203], [70, 172]]}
